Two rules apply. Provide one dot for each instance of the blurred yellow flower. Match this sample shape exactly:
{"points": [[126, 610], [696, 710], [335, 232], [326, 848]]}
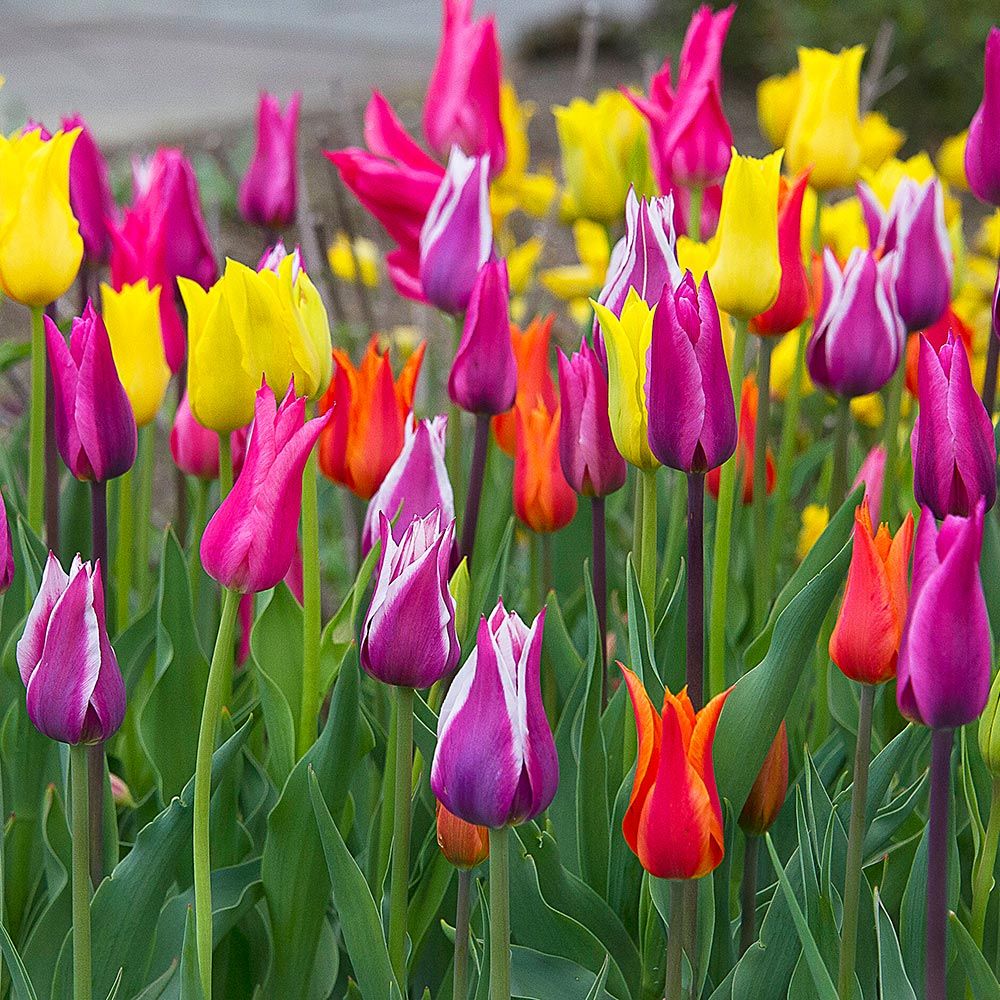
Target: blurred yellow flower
{"points": [[951, 160], [815, 518], [879, 140], [697, 257], [842, 227], [346, 263], [783, 365], [579, 281], [918, 167], [521, 261], [777, 98], [868, 410], [988, 237]]}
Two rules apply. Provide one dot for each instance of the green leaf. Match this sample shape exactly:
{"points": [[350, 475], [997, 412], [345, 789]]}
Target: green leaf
{"points": [[486, 587], [982, 979], [23, 990], [158, 986], [893, 983], [190, 977], [115, 986], [536, 976], [598, 991]]}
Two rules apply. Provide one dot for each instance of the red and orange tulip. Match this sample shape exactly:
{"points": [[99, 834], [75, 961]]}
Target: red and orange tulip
{"points": [[745, 448], [543, 499], [465, 845], [534, 379], [767, 795]]}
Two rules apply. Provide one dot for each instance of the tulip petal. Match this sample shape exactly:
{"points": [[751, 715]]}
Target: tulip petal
{"points": [[648, 728], [32, 642]]}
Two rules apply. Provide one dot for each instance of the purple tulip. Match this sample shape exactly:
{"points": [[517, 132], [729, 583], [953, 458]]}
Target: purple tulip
{"points": [[692, 419], [95, 426], [408, 638], [268, 194], [249, 543], [89, 190], [982, 150], [416, 483], [944, 658], [954, 452], [483, 376], [75, 689], [858, 336], [457, 236], [495, 764], [590, 461], [6, 550]]}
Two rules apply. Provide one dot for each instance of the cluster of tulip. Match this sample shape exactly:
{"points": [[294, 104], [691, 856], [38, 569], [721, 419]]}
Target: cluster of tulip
{"points": [[305, 812]]}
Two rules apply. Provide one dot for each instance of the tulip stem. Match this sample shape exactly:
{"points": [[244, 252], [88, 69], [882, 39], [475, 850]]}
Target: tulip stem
{"points": [[36, 424], [51, 465], [95, 752], [599, 578], [982, 872], [675, 943], [200, 516], [890, 440], [855, 844], [696, 193], [762, 588], [460, 985], [147, 459], [123, 552], [696, 588], [81, 872], [399, 878], [841, 435], [500, 913], [225, 466], [312, 612], [748, 894], [647, 562], [219, 678], [723, 531], [480, 447], [990, 378], [675, 523], [937, 867]]}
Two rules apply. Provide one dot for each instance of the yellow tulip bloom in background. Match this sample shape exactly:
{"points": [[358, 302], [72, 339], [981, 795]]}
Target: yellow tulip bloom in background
{"points": [[346, 261], [40, 243], [879, 140], [825, 131], [579, 281], [951, 160], [627, 341], [132, 318], [842, 227], [815, 518], [777, 99], [783, 365]]}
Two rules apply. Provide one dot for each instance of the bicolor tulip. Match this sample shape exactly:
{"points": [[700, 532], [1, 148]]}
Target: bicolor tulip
{"points": [[692, 426], [456, 239], [366, 433], [95, 426], [825, 131], [195, 449], [543, 500], [89, 190], [770, 787], [495, 764], [465, 845], [944, 658], [6, 550], [416, 483], [132, 319], [858, 335], [872, 476], [75, 692], [746, 272], [408, 638], [462, 107], [483, 377], [982, 157], [269, 192], [673, 823], [40, 243], [745, 441], [865, 640], [590, 461], [249, 543], [954, 452]]}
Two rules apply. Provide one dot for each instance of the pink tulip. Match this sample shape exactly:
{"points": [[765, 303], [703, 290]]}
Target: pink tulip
{"points": [[6, 550], [982, 150], [269, 189], [195, 449], [89, 190]]}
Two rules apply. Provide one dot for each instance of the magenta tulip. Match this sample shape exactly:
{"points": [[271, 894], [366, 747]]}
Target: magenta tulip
{"points": [[982, 150], [89, 190], [195, 449], [6, 550], [268, 194], [872, 476]]}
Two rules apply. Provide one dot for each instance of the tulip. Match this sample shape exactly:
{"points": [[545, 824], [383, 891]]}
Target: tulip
{"points": [[936, 335], [456, 239], [982, 157], [825, 131], [777, 100], [75, 692], [879, 140], [746, 273], [483, 378], [95, 427], [89, 190], [195, 449], [462, 107], [249, 543], [40, 243], [954, 452], [857, 339], [465, 845], [416, 483], [745, 446], [950, 160], [366, 433], [495, 764], [408, 638], [543, 500], [268, 195], [767, 795], [354, 261], [872, 476], [6, 550], [121, 794], [132, 318], [815, 519]]}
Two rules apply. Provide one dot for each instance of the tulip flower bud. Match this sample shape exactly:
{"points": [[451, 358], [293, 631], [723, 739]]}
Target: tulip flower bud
{"points": [[408, 638], [982, 157], [95, 427], [456, 239], [543, 499], [249, 543], [89, 190], [268, 193], [75, 692], [745, 443], [511, 777], [195, 449], [465, 845], [954, 452], [6, 550], [872, 476], [944, 659], [767, 795], [483, 376], [121, 793], [777, 101]]}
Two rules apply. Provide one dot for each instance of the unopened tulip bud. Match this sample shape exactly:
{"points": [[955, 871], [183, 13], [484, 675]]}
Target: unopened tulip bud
{"points": [[982, 151], [269, 190], [767, 795], [465, 845]]}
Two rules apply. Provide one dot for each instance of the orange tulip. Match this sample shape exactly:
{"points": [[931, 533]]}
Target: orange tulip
{"points": [[745, 447], [534, 379], [365, 436], [673, 823], [865, 640], [769, 789], [543, 499], [465, 845]]}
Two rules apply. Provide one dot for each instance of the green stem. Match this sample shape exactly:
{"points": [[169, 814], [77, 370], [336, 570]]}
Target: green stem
{"points": [[500, 914], [81, 872], [637, 524], [225, 466], [200, 516], [399, 879], [762, 588], [219, 678], [748, 894], [723, 530], [36, 424], [124, 553], [460, 983], [647, 574], [694, 212], [838, 476], [890, 440], [312, 622], [147, 459], [982, 872], [675, 525], [675, 942], [855, 844]]}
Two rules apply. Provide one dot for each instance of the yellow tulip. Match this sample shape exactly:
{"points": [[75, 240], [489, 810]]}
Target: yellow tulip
{"points": [[879, 140], [842, 226], [132, 317], [40, 243], [825, 132], [783, 365], [346, 261], [918, 167], [951, 160], [988, 237], [579, 281], [777, 98], [814, 521], [521, 261], [868, 410], [696, 257], [627, 340], [746, 272]]}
